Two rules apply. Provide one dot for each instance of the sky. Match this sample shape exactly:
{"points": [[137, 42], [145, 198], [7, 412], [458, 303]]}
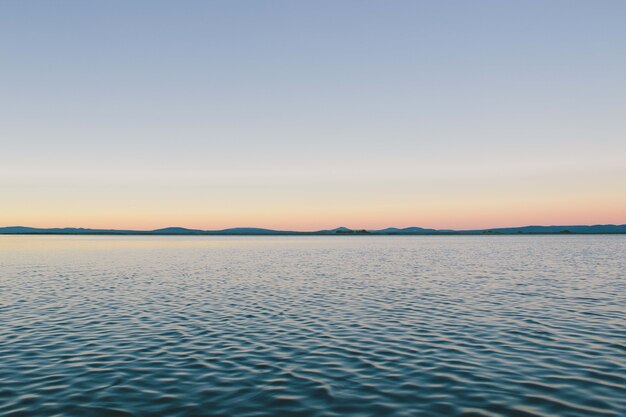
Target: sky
{"points": [[311, 115]]}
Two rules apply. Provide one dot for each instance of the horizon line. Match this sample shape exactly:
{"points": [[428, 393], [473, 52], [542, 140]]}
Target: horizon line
{"points": [[183, 229]]}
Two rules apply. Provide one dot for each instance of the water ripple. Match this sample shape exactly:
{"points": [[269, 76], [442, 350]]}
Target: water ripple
{"points": [[289, 326]]}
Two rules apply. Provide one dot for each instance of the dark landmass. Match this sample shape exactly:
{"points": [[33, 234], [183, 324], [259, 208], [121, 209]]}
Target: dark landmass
{"points": [[247, 231]]}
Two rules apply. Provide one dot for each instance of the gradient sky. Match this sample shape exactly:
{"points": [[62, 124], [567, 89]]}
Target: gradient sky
{"points": [[309, 115]]}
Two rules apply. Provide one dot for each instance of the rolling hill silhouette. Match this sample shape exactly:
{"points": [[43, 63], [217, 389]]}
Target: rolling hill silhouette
{"points": [[574, 229]]}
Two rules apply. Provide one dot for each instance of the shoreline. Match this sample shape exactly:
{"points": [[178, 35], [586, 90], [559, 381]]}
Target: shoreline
{"points": [[311, 234]]}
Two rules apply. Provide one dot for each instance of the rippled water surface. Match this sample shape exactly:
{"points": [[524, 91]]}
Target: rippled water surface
{"points": [[313, 326]]}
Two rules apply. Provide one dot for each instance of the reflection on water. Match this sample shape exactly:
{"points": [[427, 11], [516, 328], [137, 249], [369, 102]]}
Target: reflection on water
{"points": [[313, 326]]}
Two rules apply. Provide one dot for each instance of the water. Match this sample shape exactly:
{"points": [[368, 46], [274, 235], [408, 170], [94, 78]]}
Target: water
{"points": [[313, 326]]}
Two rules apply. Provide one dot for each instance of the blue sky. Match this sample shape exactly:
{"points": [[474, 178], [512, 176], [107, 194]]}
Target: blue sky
{"points": [[312, 114]]}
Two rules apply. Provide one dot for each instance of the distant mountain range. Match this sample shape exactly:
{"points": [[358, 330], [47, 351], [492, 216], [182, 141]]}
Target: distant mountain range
{"points": [[595, 229]]}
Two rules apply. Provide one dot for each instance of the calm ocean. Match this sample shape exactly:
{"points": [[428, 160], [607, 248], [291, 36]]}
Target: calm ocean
{"points": [[313, 326]]}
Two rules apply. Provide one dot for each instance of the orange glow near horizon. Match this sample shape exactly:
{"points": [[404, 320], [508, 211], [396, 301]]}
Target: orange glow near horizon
{"points": [[445, 213]]}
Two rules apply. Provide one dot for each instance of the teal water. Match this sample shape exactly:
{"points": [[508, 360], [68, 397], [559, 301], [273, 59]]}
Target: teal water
{"points": [[313, 326]]}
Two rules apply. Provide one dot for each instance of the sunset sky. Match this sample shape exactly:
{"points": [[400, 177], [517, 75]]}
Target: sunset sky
{"points": [[311, 115]]}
